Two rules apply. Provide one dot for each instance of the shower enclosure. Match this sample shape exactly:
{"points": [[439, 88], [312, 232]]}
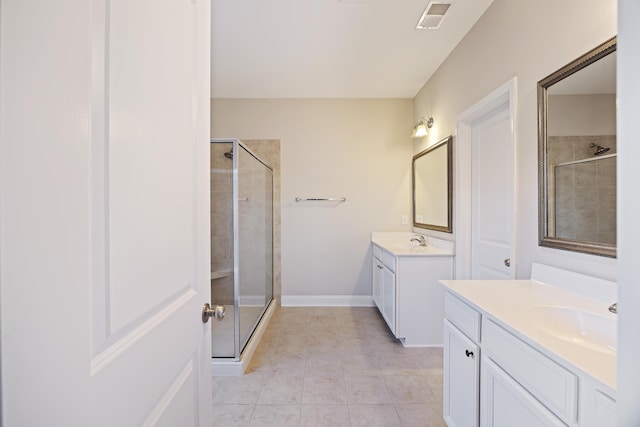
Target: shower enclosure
{"points": [[241, 244], [585, 198]]}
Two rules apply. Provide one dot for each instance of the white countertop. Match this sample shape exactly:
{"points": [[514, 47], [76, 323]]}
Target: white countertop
{"points": [[545, 317], [400, 244]]}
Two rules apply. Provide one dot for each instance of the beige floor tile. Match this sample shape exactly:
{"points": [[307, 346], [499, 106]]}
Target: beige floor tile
{"points": [[239, 390], [323, 367], [276, 415], [373, 416], [291, 365], [409, 389], [435, 379], [321, 390], [367, 390], [420, 415], [325, 416], [282, 390], [398, 365], [232, 415], [361, 365]]}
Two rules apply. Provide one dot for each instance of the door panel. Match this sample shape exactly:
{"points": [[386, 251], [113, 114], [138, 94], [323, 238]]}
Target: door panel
{"points": [[462, 373], [492, 196], [389, 298], [505, 403], [105, 212]]}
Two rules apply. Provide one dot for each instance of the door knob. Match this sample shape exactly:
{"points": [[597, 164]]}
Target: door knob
{"points": [[507, 262], [217, 312]]}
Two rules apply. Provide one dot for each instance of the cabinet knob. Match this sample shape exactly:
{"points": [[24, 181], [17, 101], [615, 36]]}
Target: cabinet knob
{"points": [[468, 353]]}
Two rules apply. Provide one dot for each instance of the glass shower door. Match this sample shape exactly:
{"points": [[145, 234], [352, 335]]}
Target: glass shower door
{"points": [[254, 249]]}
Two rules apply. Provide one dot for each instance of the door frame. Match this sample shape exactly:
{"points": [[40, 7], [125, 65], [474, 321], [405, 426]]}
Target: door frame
{"points": [[505, 94]]}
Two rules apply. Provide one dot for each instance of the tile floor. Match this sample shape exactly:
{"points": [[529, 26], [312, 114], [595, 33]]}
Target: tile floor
{"points": [[322, 366]]}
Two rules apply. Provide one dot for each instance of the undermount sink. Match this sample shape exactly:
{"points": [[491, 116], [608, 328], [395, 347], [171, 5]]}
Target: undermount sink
{"points": [[585, 329]]}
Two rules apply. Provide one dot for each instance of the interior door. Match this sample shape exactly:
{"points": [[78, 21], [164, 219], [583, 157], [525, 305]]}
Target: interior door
{"points": [[104, 212], [492, 194]]}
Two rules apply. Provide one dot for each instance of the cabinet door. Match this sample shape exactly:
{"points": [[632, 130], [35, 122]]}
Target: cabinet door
{"points": [[377, 277], [388, 286], [461, 378], [507, 403]]}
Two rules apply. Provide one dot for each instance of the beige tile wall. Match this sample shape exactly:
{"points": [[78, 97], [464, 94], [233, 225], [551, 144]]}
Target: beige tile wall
{"points": [[583, 196]]}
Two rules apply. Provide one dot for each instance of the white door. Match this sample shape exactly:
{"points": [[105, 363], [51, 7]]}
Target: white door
{"points": [[485, 189], [628, 209], [492, 198], [104, 206]]}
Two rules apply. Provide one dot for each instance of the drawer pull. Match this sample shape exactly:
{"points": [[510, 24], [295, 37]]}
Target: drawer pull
{"points": [[469, 353]]}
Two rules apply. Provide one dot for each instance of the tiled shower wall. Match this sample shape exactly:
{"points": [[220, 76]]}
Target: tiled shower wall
{"points": [[582, 196], [222, 219], [221, 225]]}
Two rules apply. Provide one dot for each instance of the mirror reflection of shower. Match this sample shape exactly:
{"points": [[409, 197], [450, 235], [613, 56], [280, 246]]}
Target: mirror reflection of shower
{"points": [[599, 149]]}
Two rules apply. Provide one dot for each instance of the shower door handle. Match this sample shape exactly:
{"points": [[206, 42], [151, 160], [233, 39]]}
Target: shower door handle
{"points": [[217, 312]]}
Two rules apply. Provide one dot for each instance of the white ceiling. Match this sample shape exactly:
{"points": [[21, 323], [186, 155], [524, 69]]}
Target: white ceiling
{"points": [[330, 48]]}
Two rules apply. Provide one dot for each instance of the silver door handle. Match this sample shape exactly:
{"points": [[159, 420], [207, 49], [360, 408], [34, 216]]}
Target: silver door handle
{"points": [[507, 262], [218, 312]]}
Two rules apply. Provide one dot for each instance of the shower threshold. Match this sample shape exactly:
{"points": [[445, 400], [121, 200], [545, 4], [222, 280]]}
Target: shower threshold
{"points": [[228, 367]]}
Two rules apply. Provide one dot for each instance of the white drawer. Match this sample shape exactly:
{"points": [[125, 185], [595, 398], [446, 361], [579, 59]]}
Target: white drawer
{"points": [[553, 385], [389, 260], [463, 316], [377, 252]]}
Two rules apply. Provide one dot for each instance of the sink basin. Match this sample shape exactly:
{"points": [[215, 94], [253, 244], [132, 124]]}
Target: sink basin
{"points": [[409, 247], [585, 329]]}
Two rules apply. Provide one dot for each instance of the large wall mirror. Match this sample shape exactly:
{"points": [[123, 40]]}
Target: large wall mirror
{"points": [[432, 187], [577, 154]]}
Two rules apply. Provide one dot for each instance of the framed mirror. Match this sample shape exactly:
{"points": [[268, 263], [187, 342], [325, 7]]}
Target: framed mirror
{"points": [[577, 154], [433, 187]]}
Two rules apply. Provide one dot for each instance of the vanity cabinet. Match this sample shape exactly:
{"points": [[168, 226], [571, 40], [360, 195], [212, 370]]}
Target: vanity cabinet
{"points": [[494, 378], [410, 298], [384, 286]]}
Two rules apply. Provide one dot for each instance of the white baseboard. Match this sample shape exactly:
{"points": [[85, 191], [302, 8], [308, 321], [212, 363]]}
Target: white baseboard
{"points": [[327, 301]]}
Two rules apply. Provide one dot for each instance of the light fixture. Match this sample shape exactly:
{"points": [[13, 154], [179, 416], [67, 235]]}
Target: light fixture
{"points": [[421, 128]]}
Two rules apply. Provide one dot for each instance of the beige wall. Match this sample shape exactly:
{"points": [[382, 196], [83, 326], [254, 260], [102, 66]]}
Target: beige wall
{"points": [[572, 115], [358, 149], [528, 40]]}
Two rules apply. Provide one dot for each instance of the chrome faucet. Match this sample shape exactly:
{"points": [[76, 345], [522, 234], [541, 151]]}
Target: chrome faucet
{"points": [[420, 239], [613, 308]]}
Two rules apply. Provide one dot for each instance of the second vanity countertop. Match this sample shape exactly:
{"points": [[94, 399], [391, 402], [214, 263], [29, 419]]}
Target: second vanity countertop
{"points": [[559, 323], [400, 244]]}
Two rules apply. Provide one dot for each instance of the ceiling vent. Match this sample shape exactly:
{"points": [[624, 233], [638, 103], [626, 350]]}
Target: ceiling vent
{"points": [[433, 15]]}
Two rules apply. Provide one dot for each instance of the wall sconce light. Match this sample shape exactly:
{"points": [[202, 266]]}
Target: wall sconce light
{"points": [[421, 128]]}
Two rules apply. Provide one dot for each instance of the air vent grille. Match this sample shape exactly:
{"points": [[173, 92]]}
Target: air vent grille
{"points": [[433, 15]]}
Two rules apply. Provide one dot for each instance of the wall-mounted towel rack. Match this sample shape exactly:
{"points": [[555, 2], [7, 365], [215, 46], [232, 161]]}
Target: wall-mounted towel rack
{"points": [[321, 199]]}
